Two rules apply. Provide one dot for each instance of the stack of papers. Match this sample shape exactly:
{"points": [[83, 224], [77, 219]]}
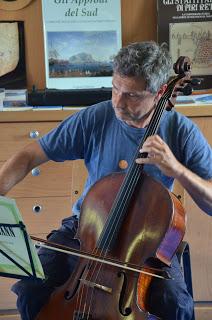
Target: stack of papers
{"points": [[195, 100], [15, 100], [2, 96]]}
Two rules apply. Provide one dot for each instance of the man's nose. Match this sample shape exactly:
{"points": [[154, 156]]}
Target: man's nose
{"points": [[119, 101]]}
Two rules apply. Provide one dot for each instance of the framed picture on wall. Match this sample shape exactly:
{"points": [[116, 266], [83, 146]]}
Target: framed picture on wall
{"points": [[12, 55]]}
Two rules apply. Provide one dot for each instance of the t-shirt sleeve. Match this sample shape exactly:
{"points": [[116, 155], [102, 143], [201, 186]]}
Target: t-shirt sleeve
{"points": [[66, 141], [198, 154]]}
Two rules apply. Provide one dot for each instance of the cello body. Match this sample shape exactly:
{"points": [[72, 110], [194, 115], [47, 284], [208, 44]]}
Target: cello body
{"points": [[104, 292]]}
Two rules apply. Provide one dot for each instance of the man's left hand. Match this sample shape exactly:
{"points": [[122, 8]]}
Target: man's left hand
{"points": [[160, 155]]}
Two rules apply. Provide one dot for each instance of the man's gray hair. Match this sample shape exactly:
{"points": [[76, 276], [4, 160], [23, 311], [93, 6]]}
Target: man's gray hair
{"points": [[145, 60]]}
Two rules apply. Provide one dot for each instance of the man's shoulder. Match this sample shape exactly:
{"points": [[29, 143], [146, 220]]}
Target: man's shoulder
{"points": [[176, 128], [98, 108], [179, 121], [97, 111]]}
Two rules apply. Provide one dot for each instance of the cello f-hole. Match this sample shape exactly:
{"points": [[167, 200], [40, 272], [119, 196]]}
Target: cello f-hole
{"points": [[124, 311], [68, 295]]}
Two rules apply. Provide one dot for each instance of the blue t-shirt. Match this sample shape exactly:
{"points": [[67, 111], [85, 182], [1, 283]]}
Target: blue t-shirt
{"points": [[97, 136]]}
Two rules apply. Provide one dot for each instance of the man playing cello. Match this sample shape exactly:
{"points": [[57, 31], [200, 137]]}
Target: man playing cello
{"points": [[104, 135]]}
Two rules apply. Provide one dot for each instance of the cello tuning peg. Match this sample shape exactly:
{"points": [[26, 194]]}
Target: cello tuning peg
{"points": [[196, 81], [186, 90]]}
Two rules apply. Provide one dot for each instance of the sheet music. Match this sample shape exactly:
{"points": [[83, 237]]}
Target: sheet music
{"points": [[12, 242]]}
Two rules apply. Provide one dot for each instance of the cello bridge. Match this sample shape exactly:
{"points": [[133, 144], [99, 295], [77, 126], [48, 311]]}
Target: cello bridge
{"points": [[96, 285]]}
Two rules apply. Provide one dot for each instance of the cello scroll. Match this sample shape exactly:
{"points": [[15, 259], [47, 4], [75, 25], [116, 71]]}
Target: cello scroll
{"points": [[182, 84]]}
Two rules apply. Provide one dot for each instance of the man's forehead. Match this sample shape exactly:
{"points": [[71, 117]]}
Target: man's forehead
{"points": [[129, 83]]}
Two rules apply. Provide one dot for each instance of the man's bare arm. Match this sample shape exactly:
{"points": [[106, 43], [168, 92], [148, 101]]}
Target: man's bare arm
{"points": [[19, 165]]}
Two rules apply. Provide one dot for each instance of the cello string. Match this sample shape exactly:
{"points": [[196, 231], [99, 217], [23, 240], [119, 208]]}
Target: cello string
{"points": [[127, 191], [91, 296], [137, 171], [128, 184], [112, 228], [147, 133], [133, 165], [135, 177]]}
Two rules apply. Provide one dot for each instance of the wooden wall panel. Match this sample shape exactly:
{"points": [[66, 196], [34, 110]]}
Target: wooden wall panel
{"points": [[138, 20], [138, 23]]}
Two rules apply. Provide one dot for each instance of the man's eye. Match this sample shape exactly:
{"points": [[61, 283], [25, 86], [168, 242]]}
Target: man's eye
{"points": [[132, 95]]}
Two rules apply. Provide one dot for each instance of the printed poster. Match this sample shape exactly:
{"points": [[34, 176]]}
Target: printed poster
{"points": [[186, 26], [81, 38], [193, 39]]}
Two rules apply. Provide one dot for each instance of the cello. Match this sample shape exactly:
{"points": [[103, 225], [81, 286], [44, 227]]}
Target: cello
{"points": [[109, 230]]}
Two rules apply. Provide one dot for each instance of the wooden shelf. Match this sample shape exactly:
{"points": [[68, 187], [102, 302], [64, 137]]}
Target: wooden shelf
{"points": [[57, 115], [32, 116], [195, 111]]}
